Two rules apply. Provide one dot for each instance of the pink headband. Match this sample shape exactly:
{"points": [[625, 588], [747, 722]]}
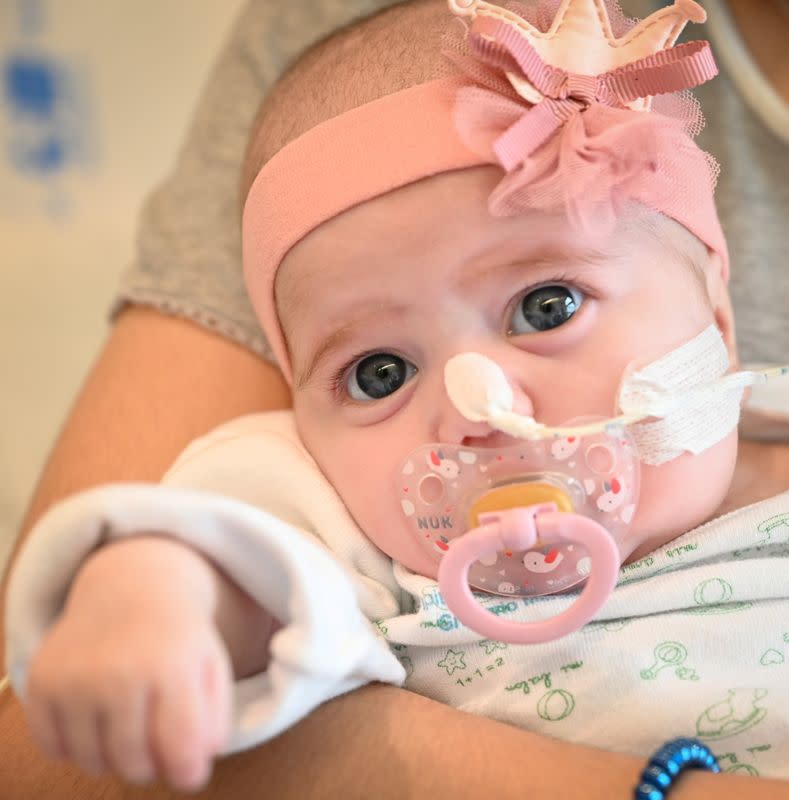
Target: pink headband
{"points": [[553, 154]]}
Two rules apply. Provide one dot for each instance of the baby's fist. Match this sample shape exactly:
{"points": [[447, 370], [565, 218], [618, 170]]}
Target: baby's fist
{"points": [[134, 677]]}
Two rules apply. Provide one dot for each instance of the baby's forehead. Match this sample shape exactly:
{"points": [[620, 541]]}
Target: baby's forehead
{"points": [[675, 239], [442, 223]]}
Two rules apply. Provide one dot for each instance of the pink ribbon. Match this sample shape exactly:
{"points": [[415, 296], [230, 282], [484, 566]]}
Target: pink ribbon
{"points": [[499, 45]]}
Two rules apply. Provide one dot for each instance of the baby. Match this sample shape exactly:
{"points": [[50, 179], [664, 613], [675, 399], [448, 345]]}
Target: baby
{"points": [[464, 274]]}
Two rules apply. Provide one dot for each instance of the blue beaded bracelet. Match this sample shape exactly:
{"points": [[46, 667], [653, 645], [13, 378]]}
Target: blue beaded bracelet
{"points": [[672, 758]]}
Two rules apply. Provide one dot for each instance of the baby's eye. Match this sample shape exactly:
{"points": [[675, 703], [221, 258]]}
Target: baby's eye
{"points": [[378, 376], [545, 308]]}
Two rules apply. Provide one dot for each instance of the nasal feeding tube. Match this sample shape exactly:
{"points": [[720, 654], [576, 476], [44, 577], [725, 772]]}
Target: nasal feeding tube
{"points": [[553, 509]]}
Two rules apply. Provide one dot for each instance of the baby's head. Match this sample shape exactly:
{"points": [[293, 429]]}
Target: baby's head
{"points": [[370, 304]]}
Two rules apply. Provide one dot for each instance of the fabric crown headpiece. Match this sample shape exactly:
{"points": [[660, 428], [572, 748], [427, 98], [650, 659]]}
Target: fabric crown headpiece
{"points": [[569, 112]]}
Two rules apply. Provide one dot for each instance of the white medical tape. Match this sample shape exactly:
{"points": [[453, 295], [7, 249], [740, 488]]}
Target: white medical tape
{"points": [[689, 401], [695, 409]]}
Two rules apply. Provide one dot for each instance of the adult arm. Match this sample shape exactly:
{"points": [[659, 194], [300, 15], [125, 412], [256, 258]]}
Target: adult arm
{"points": [[388, 743]]}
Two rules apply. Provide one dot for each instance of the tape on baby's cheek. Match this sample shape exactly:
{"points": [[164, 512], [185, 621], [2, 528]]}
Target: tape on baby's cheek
{"points": [[695, 424]]}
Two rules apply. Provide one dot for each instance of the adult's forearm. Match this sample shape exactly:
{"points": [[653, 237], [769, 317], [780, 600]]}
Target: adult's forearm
{"points": [[158, 383], [385, 742]]}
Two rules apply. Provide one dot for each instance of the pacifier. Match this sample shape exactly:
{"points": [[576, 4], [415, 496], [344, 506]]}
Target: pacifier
{"points": [[533, 518]]}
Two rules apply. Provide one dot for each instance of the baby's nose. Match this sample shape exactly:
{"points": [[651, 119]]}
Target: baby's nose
{"points": [[476, 389], [454, 428]]}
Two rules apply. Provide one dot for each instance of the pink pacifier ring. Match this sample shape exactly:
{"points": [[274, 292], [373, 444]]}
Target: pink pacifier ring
{"points": [[519, 529]]}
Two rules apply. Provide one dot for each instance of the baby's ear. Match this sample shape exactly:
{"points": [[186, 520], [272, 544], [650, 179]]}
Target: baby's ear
{"points": [[720, 300]]}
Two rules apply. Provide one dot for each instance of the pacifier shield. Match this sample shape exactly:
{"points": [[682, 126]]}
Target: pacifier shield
{"points": [[443, 489]]}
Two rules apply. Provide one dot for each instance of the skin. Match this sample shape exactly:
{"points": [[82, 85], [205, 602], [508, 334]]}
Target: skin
{"points": [[443, 284]]}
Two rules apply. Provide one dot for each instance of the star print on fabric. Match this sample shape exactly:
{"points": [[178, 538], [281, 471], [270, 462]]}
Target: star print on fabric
{"points": [[452, 661], [490, 646]]}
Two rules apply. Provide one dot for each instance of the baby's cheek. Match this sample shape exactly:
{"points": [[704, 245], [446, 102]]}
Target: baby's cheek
{"points": [[365, 484], [681, 494], [362, 464], [367, 500], [374, 500]]}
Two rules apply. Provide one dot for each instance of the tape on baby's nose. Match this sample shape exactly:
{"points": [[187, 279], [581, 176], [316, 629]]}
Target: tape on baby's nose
{"points": [[477, 387], [480, 391]]}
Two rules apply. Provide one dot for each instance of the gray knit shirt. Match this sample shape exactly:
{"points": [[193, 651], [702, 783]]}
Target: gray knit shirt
{"points": [[188, 258]]}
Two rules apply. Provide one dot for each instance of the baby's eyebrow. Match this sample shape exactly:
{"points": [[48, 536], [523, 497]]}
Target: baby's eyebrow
{"points": [[330, 343], [544, 256], [338, 337]]}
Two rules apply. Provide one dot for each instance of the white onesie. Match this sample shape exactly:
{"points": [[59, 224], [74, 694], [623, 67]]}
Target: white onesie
{"points": [[693, 642]]}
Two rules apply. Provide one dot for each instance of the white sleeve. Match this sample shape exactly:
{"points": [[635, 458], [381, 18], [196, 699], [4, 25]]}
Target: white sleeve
{"points": [[327, 646]]}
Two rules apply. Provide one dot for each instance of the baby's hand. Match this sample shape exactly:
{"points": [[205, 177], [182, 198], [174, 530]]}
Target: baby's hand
{"points": [[134, 676]]}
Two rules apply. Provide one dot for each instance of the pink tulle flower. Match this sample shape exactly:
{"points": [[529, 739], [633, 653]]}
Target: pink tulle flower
{"points": [[577, 142]]}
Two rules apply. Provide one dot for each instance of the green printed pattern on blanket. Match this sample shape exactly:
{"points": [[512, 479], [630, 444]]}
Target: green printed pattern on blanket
{"points": [[693, 642]]}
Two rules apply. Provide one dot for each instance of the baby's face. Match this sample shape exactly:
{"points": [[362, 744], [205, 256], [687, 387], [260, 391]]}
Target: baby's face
{"points": [[374, 302]]}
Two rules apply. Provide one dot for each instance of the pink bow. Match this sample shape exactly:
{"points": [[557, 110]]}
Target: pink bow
{"points": [[566, 94], [580, 146]]}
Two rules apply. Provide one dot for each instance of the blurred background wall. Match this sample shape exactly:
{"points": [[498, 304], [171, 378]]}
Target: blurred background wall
{"points": [[94, 100]]}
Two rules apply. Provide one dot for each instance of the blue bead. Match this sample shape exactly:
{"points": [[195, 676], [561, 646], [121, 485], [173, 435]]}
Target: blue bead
{"points": [[647, 792], [698, 751], [682, 754], [665, 761], [657, 776]]}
